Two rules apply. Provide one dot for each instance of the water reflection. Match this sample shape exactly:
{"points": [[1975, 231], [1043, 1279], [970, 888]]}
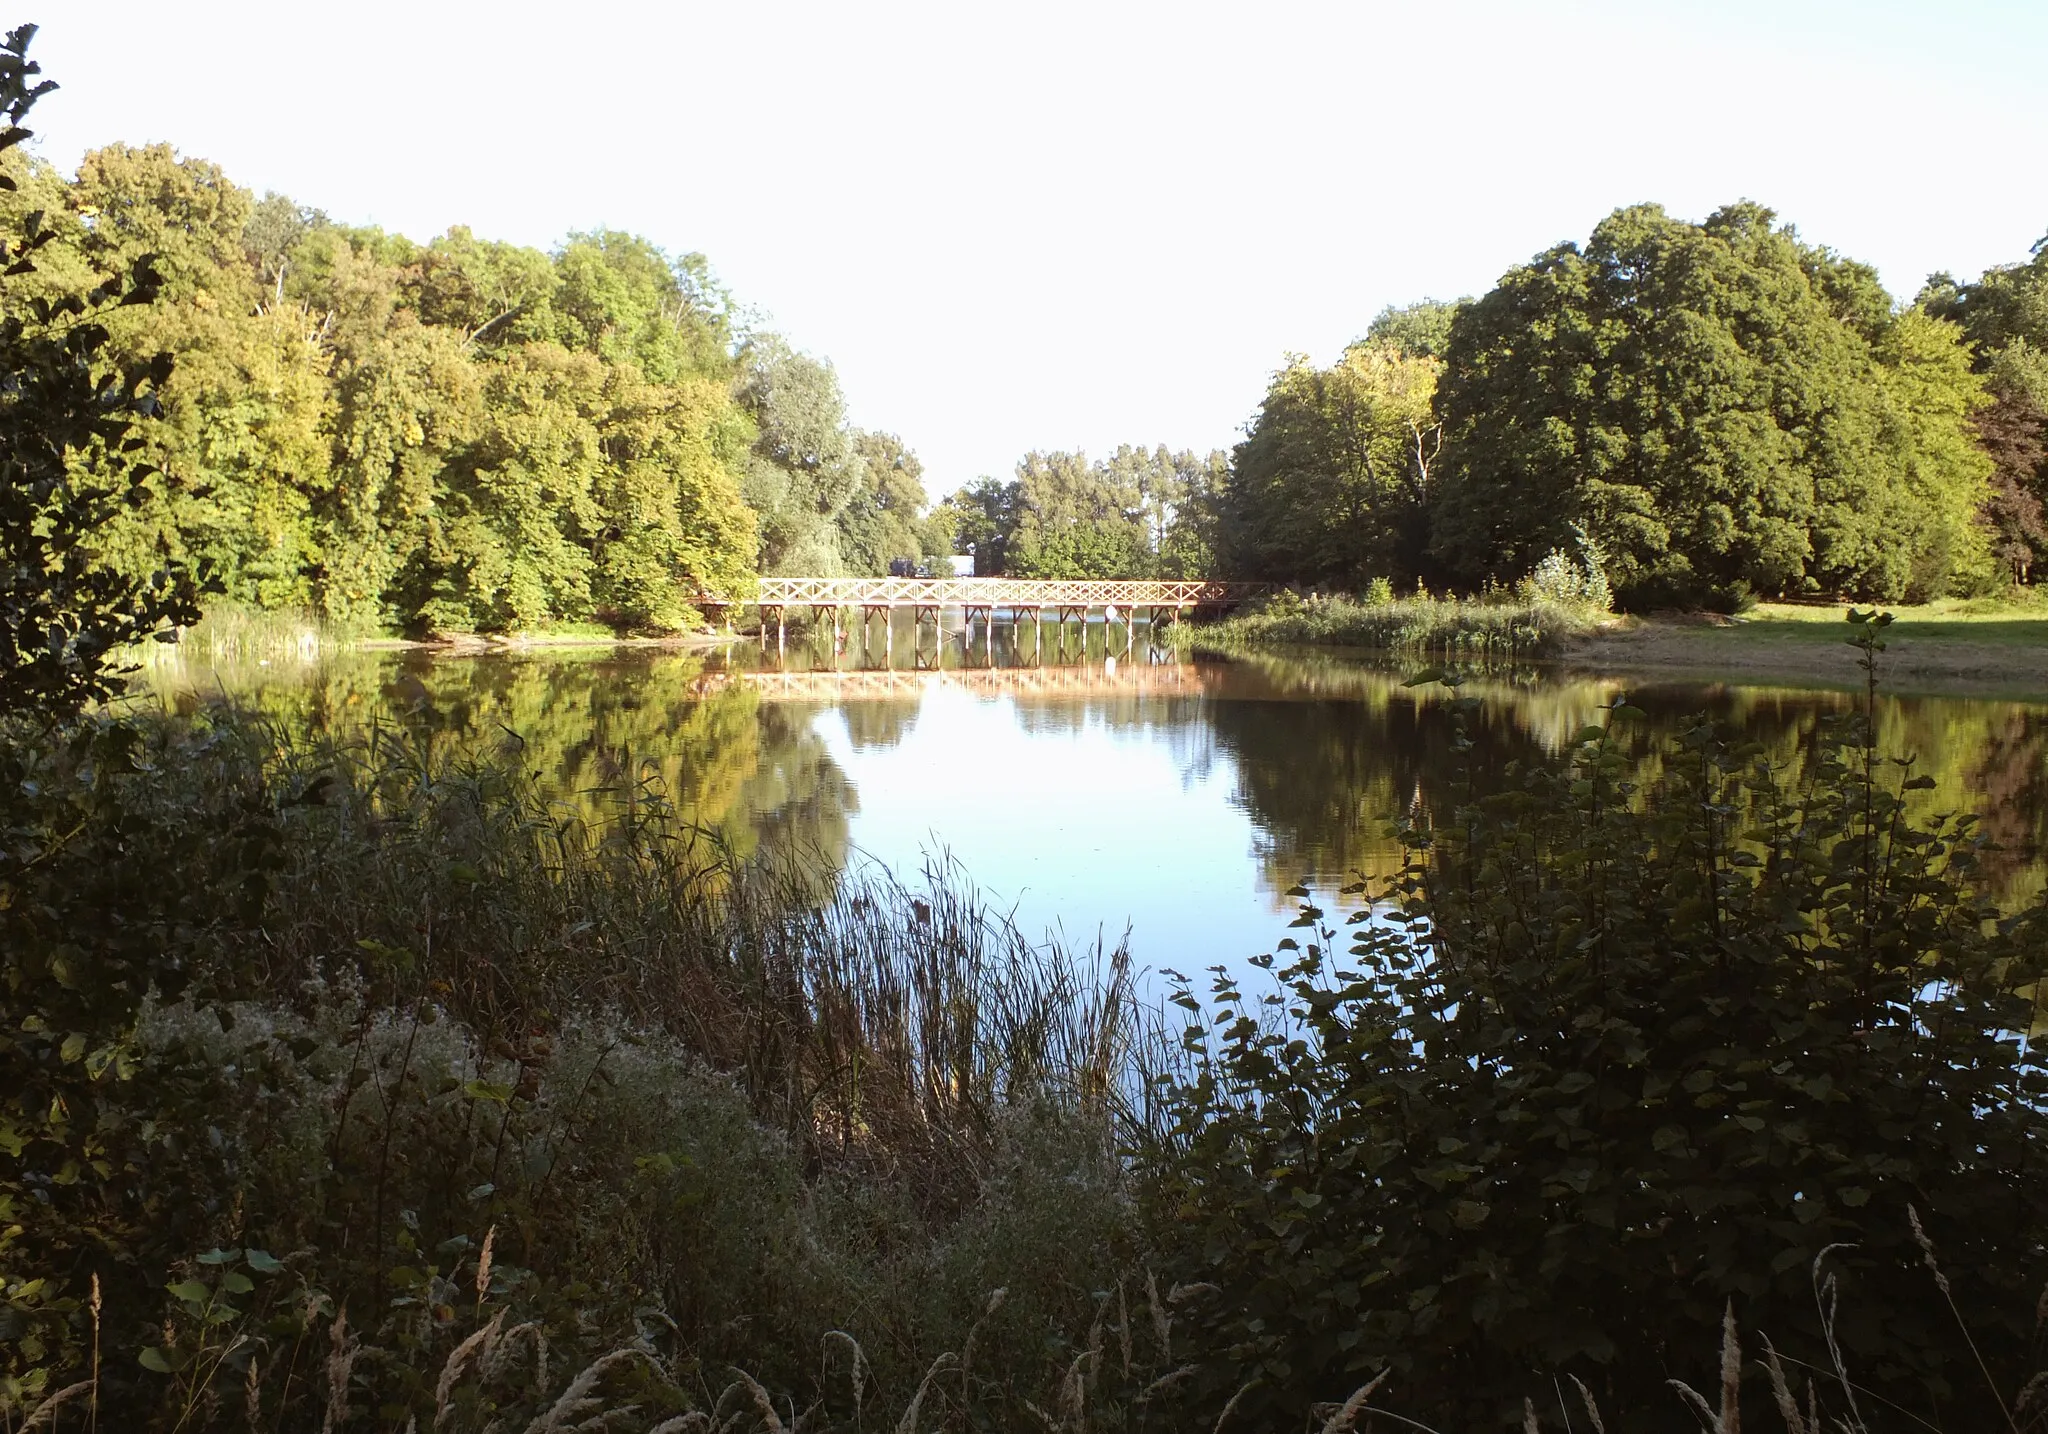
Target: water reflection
{"points": [[1182, 798]]}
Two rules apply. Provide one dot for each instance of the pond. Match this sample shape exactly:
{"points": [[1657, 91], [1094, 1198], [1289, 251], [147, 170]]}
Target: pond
{"points": [[1094, 789]]}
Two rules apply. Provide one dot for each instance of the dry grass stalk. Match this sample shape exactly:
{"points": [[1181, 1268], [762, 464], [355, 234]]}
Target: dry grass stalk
{"points": [[1941, 1282], [860, 1364], [995, 1302], [478, 1347], [1728, 1420], [1231, 1408], [1123, 1327], [46, 1412], [1074, 1391], [689, 1423], [1592, 1409], [497, 1359], [1346, 1417], [576, 1401], [1162, 1323], [908, 1423], [763, 1405], [1781, 1392], [1731, 1375], [342, 1349], [1167, 1381], [92, 1418], [1826, 1299], [252, 1394], [1529, 1424], [2027, 1395], [483, 1264]]}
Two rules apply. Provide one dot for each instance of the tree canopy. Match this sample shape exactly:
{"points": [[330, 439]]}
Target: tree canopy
{"points": [[2004, 315], [74, 437], [1138, 513], [1727, 408], [1724, 409], [461, 435], [1332, 484]]}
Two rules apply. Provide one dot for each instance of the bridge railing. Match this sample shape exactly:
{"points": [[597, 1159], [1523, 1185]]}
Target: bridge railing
{"points": [[995, 592]]}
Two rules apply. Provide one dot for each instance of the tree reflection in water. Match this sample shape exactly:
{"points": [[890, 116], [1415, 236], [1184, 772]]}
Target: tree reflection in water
{"points": [[1322, 756]]}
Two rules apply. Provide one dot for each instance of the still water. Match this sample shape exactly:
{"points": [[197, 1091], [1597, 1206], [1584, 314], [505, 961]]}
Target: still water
{"points": [[1095, 790]]}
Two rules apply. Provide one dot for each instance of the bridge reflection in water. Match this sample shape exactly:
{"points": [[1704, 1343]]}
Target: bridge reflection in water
{"points": [[1078, 680]]}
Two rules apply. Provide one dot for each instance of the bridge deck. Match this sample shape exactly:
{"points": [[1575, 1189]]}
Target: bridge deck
{"points": [[996, 592]]}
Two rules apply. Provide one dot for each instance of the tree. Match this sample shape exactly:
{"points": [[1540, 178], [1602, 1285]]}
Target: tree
{"points": [[73, 432], [885, 520], [1419, 330], [1076, 519], [1333, 482], [804, 467], [1726, 408], [983, 516], [2004, 315]]}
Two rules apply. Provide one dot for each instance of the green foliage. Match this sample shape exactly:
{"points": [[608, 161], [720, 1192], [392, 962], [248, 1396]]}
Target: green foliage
{"points": [[1721, 405], [457, 436], [1575, 580], [806, 467], [1477, 630], [1606, 1056], [1333, 481], [1418, 330], [2004, 315], [886, 519], [74, 437], [293, 1034], [1139, 513]]}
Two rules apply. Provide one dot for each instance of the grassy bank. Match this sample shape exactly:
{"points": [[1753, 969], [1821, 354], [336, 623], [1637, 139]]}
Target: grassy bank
{"points": [[1991, 646], [1433, 627]]}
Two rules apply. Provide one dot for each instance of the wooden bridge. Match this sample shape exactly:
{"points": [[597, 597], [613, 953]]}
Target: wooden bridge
{"points": [[978, 599]]}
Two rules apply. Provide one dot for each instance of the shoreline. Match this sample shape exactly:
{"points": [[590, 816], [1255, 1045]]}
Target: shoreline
{"points": [[1803, 654], [1809, 655]]}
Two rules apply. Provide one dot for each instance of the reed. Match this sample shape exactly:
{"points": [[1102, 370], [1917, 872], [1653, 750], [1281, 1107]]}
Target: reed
{"points": [[1489, 629], [864, 1015]]}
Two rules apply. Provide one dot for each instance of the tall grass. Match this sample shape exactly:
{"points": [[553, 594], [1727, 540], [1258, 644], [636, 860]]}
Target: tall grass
{"points": [[705, 1114], [1474, 629], [857, 1010], [239, 633]]}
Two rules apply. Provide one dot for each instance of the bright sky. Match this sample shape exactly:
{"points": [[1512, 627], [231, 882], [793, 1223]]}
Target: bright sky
{"points": [[1077, 224]]}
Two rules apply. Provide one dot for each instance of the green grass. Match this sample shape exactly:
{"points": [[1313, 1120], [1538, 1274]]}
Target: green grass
{"points": [[1974, 620]]}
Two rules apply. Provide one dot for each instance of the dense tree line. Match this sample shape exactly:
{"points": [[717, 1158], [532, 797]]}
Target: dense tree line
{"points": [[1724, 408], [1139, 513], [469, 435], [458, 435]]}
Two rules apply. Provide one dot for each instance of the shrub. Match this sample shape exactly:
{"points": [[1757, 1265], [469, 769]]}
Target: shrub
{"points": [[293, 1032], [1578, 583], [1606, 1057]]}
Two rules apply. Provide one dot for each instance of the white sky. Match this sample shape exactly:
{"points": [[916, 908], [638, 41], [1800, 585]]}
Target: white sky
{"points": [[1074, 225]]}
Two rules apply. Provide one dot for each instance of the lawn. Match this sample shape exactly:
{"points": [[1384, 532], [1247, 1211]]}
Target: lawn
{"points": [[1961, 645]]}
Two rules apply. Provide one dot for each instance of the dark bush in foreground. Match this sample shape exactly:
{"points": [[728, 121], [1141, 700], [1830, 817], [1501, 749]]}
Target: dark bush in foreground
{"points": [[344, 1085], [1606, 1058]]}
